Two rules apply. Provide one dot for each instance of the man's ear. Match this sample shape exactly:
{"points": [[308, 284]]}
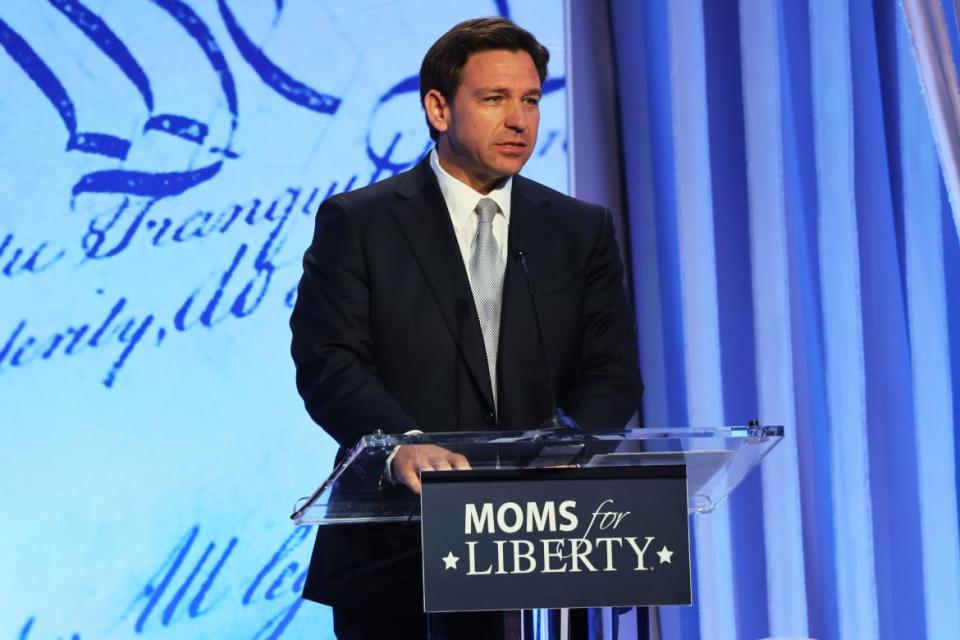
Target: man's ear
{"points": [[437, 110]]}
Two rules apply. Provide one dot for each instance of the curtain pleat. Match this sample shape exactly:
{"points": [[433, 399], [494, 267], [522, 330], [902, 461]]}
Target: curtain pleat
{"points": [[931, 368], [930, 34], [785, 585], [698, 294]]}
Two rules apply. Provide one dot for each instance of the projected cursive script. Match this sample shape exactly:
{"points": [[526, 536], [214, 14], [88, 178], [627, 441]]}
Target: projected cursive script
{"points": [[199, 577], [162, 165], [156, 184], [261, 266]]}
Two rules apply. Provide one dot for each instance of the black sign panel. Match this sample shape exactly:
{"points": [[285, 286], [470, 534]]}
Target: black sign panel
{"points": [[552, 538]]}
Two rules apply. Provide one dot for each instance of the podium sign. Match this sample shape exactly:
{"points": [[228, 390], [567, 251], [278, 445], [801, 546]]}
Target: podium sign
{"points": [[555, 538]]}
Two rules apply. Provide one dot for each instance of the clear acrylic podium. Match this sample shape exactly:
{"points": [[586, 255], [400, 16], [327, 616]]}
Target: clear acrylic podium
{"points": [[716, 461]]}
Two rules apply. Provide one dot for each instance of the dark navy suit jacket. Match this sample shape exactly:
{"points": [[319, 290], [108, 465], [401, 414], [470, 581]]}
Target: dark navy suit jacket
{"points": [[386, 336]]}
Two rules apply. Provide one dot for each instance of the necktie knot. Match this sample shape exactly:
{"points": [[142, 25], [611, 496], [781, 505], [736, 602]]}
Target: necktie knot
{"points": [[486, 209]]}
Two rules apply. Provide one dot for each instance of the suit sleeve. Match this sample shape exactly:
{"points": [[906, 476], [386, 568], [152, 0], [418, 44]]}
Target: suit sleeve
{"points": [[606, 389], [332, 344]]}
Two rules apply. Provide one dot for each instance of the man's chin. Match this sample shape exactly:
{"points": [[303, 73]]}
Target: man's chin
{"points": [[510, 165]]}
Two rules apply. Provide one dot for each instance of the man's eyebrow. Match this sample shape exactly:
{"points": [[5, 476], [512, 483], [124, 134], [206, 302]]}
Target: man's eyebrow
{"points": [[529, 92]]}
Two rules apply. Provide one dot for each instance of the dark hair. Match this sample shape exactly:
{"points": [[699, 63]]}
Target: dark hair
{"points": [[446, 58]]}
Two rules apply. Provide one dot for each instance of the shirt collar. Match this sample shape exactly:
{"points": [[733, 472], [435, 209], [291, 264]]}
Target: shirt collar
{"points": [[462, 199]]}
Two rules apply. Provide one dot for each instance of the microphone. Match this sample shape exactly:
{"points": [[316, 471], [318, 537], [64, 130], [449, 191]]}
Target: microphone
{"points": [[558, 419]]}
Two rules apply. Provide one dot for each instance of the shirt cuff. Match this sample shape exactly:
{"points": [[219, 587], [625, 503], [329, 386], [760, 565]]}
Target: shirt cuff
{"points": [[388, 469]]}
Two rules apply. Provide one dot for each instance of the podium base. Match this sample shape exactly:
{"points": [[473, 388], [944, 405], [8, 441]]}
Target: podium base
{"points": [[543, 624]]}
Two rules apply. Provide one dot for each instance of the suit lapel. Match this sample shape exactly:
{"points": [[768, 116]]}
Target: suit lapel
{"points": [[525, 222], [516, 303], [423, 217], [520, 353]]}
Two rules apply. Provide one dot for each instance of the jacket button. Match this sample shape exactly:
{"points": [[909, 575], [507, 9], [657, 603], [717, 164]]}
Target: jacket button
{"points": [[490, 418]]}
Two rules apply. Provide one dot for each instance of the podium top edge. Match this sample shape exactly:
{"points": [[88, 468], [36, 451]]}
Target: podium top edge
{"points": [[748, 432]]}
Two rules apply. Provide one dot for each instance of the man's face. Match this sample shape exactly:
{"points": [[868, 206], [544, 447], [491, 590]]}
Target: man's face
{"points": [[489, 129]]}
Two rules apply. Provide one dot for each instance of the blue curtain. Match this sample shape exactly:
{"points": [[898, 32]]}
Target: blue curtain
{"points": [[794, 259]]}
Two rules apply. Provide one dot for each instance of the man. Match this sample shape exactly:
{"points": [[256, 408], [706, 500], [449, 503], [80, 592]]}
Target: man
{"points": [[414, 311]]}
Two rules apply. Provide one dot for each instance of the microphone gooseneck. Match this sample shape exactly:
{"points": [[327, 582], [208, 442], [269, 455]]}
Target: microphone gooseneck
{"points": [[558, 419]]}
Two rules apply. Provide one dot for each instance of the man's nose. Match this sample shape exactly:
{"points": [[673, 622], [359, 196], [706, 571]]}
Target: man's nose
{"points": [[516, 117]]}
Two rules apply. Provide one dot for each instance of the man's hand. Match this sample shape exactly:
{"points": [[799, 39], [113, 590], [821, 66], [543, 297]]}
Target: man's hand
{"points": [[411, 459]]}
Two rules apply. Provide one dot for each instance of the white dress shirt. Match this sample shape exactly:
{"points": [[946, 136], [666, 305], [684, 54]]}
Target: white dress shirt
{"points": [[461, 200]]}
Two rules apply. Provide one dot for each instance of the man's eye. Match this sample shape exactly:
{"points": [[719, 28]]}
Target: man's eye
{"points": [[493, 99], [533, 101]]}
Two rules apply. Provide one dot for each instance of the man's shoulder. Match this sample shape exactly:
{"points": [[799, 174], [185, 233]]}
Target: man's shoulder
{"points": [[558, 203], [383, 192], [371, 193]]}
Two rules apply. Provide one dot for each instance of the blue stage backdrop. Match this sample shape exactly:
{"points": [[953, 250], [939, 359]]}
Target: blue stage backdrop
{"points": [[160, 166], [796, 259]]}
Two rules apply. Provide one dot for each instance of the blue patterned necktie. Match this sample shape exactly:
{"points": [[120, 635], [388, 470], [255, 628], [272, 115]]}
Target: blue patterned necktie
{"points": [[486, 281]]}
